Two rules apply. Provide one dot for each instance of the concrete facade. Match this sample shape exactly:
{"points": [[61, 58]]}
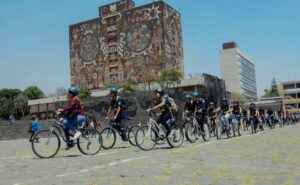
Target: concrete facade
{"points": [[238, 71], [125, 41], [291, 95]]}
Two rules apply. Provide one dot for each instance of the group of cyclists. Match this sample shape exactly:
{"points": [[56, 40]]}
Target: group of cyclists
{"points": [[194, 106]]}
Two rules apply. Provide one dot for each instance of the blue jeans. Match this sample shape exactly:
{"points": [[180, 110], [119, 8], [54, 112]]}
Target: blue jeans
{"points": [[225, 120], [71, 125]]}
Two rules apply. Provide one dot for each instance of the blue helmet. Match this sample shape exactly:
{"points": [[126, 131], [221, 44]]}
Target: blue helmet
{"points": [[188, 96], [224, 99], [113, 90], [73, 90], [196, 94]]}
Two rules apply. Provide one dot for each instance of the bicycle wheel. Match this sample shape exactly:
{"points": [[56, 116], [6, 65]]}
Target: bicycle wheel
{"points": [[239, 129], [252, 127], [234, 127], [108, 138], [90, 142], [191, 132], [206, 135], [131, 135], [45, 144], [177, 136], [145, 138], [219, 131]]}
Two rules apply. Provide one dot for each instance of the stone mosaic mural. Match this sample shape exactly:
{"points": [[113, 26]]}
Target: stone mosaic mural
{"points": [[124, 42]]}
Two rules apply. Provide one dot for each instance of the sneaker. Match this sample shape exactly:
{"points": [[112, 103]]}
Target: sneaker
{"points": [[170, 135], [77, 135]]}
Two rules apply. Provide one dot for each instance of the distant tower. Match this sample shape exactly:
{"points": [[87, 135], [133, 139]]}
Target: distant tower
{"points": [[238, 71], [125, 41]]}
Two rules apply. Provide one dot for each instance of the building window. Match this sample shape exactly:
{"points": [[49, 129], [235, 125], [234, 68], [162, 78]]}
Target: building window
{"points": [[289, 86]]}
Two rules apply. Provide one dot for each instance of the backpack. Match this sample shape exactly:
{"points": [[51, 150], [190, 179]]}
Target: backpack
{"points": [[173, 106]]}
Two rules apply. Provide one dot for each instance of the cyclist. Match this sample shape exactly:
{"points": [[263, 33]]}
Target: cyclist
{"points": [[188, 105], [34, 127], [199, 108], [187, 108], [262, 115], [211, 113], [245, 117], [163, 103], [271, 115], [253, 113], [74, 115], [237, 111], [118, 105], [226, 111]]}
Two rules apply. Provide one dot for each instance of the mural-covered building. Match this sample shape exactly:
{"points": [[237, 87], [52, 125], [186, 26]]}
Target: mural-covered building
{"points": [[125, 41]]}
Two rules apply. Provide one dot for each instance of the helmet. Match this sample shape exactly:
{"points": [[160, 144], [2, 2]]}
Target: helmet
{"points": [[188, 96], [224, 99], [196, 94], [113, 90], [73, 90], [211, 103], [161, 92]]}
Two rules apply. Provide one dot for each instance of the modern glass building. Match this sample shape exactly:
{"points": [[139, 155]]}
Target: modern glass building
{"points": [[238, 71]]}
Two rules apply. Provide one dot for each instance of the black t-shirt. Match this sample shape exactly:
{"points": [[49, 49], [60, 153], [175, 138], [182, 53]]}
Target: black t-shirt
{"points": [[224, 108], [198, 104], [270, 112], [252, 111], [261, 112], [188, 107], [236, 110], [245, 112], [210, 111]]}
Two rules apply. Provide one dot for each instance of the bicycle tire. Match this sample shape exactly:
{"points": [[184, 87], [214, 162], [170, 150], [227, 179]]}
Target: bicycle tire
{"points": [[108, 136], [177, 138], [206, 136], [143, 132], [189, 131], [38, 135], [131, 135], [89, 134]]}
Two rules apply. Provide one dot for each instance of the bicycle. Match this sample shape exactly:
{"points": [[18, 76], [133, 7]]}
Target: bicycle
{"points": [[253, 124], [223, 128], [109, 134], [236, 125], [46, 143], [212, 125], [154, 133], [193, 130], [270, 122]]}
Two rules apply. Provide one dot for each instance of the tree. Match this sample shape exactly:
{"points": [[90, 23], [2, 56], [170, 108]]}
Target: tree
{"points": [[273, 92], [149, 77], [130, 85], [84, 92], [61, 91], [21, 107], [169, 77], [234, 96], [33, 93], [10, 93]]}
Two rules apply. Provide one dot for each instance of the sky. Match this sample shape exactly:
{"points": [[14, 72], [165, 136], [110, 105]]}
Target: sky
{"points": [[34, 37]]}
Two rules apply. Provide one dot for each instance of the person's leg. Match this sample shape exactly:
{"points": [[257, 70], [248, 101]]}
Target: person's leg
{"points": [[227, 117], [69, 125], [165, 117], [123, 129]]}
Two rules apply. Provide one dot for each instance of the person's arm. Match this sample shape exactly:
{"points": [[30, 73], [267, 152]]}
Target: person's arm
{"points": [[157, 106], [108, 112], [118, 111], [71, 106]]}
